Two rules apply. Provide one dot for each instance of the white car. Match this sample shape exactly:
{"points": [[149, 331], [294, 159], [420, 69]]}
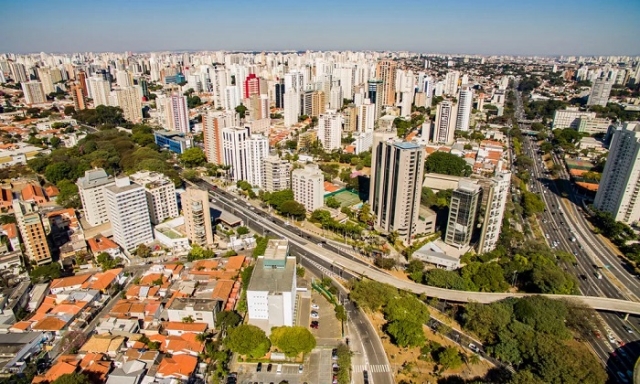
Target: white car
{"points": [[314, 315], [315, 306]]}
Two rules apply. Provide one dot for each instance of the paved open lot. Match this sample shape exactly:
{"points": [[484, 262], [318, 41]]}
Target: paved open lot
{"points": [[317, 369], [320, 366], [329, 333]]}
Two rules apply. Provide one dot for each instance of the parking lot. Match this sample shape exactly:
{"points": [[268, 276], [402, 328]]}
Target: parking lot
{"points": [[249, 375], [329, 332]]}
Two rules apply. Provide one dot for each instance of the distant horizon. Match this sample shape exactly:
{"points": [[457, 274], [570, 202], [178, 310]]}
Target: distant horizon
{"points": [[545, 28]]}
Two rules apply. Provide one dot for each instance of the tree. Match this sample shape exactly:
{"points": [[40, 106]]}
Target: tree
{"points": [[406, 333], [72, 378], [332, 202], [427, 197], [193, 157], [532, 204], [193, 101], [447, 164], [69, 110], [68, 196], [294, 209], [107, 262], [199, 253], [372, 295], [300, 271], [341, 313], [248, 340], [143, 251], [449, 358], [54, 142], [46, 272], [406, 308], [227, 319], [292, 340], [190, 174], [242, 230], [241, 110], [58, 171]]}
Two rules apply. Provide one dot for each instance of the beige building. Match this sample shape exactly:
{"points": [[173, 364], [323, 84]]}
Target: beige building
{"points": [[386, 71], [570, 117], [397, 169], [213, 123], [129, 100], [308, 187], [79, 101], [277, 174], [197, 217], [33, 92], [32, 232], [160, 193]]}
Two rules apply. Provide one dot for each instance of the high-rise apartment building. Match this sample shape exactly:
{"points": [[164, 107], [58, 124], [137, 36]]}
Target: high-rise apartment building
{"points": [[79, 101], [397, 170], [291, 108], [160, 193], [178, 113], [18, 72], [81, 77], [494, 211], [129, 100], [463, 211], [279, 93], [33, 93], [257, 152], [451, 83], [318, 103], [124, 79], [330, 130], [197, 217], [375, 94], [251, 86], [277, 174], [213, 122], [234, 147], [129, 214], [465, 102], [44, 75], [445, 123], [34, 237], [570, 117], [99, 90], [308, 186], [366, 117], [620, 184], [386, 72], [91, 191], [600, 91]]}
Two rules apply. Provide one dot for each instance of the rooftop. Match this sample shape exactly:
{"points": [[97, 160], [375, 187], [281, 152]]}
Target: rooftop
{"points": [[94, 178], [182, 303], [273, 279]]}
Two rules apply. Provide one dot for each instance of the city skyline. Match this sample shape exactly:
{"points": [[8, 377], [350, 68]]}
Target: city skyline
{"points": [[464, 27]]}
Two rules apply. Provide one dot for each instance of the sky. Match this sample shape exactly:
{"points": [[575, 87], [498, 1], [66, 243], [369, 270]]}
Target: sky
{"points": [[516, 27]]}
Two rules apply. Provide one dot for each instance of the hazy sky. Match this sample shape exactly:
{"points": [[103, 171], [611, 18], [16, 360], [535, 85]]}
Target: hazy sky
{"points": [[544, 27]]}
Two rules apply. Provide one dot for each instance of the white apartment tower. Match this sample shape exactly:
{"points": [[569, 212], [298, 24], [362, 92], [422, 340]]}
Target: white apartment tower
{"points": [[197, 217], [620, 185], [366, 117], [277, 174], [330, 130], [257, 152], [451, 83], [99, 90], [494, 212], [129, 100], [600, 91], [33, 92], [397, 169], [465, 101], [234, 147], [160, 193], [128, 213], [445, 123], [308, 187], [178, 113], [91, 191]]}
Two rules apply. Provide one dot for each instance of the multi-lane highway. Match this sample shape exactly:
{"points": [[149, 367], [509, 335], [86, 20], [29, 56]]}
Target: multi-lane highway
{"points": [[612, 338]]}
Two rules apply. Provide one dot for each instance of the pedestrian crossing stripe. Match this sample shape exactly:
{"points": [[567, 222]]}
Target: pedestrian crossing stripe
{"points": [[371, 368]]}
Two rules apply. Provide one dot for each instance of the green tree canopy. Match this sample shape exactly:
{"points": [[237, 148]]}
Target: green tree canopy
{"points": [[193, 157], [72, 378], [406, 333], [449, 358], [293, 340], [248, 340], [46, 272], [447, 164], [227, 319], [68, 196], [406, 308]]}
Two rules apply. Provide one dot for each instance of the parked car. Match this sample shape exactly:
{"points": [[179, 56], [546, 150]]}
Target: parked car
{"points": [[259, 367], [314, 315], [315, 325], [315, 306], [300, 368], [269, 367], [334, 354]]}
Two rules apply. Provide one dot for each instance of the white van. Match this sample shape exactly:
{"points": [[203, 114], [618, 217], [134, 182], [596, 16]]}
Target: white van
{"points": [[279, 369]]}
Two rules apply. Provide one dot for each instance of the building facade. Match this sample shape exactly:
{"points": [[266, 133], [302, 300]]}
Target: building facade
{"points": [[128, 213], [197, 217], [330, 130], [277, 174], [465, 101], [160, 193], [620, 183], [32, 231], [308, 187], [91, 191], [463, 212], [397, 169], [213, 123], [33, 92], [494, 211], [445, 123]]}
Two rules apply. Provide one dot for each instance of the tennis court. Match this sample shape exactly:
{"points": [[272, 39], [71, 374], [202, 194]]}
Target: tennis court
{"points": [[346, 198]]}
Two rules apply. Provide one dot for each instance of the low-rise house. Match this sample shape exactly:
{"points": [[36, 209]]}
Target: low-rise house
{"points": [[33, 193], [117, 326], [100, 244], [174, 328], [180, 367], [17, 348], [131, 372], [199, 310], [105, 344], [6, 199], [70, 283]]}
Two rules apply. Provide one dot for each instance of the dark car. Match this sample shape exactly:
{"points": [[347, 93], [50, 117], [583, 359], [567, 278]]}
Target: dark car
{"points": [[269, 367], [259, 367]]}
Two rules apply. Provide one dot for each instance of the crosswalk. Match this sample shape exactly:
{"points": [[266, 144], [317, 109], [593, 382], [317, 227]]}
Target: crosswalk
{"points": [[371, 368]]}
